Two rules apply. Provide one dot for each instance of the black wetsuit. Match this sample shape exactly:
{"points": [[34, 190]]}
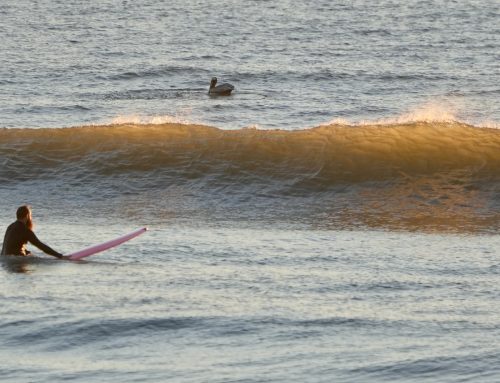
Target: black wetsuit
{"points": [[18, 235]]}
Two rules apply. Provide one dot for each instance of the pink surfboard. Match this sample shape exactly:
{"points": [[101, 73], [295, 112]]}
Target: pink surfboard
{"points": [[106, 245]]}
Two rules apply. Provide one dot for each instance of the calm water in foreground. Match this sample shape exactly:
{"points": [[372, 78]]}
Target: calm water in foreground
{"points": [[225, 304]]}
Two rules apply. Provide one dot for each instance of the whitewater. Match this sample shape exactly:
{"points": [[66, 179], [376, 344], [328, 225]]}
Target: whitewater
{"points": [[335, 220]]}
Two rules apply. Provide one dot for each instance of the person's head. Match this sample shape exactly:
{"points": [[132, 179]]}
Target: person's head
{"points": [[23, 214]]}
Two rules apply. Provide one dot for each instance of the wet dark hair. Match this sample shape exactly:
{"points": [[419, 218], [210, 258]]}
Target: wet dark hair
{"points": [[23, 211]]}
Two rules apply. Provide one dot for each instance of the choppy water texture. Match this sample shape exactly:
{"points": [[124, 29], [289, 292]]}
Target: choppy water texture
{"points": [[354, 239], [293, 64], [255, 304]]}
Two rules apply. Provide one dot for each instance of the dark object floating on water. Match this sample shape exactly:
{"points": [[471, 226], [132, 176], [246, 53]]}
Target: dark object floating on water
{"points": [[220, 90]]}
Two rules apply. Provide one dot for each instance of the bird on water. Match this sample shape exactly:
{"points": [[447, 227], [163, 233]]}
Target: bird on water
{"points": [[220, 90]]}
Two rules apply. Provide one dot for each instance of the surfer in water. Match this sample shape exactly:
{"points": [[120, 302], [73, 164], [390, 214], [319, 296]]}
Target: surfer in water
{"points": [[19, 233]]}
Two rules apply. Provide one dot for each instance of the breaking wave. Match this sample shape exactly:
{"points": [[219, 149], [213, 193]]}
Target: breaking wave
{"points": [[412, 175], [318, 157]]}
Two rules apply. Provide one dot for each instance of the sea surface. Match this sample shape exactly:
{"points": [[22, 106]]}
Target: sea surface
{"points": [[336, 219]]}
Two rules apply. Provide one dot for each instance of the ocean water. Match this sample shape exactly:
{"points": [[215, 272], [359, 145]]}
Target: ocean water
{"points": [[335, 219], [293, 64]]}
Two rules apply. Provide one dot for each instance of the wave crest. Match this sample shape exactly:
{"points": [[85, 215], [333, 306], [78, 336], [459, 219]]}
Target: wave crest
{"points": [[322, 156], [415, 176]]}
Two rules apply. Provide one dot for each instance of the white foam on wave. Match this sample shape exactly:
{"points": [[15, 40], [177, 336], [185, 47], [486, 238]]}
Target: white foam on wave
{"points": [[338, 121], [254, 127], [490, 124], [438, 111], [138, 119], [429, 112]]}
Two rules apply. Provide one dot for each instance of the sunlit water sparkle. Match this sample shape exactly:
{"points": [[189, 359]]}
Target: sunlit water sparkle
{"points": [[365, 251]]}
